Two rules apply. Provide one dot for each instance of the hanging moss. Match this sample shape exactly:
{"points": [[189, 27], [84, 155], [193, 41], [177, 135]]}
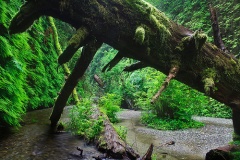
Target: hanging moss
{"points": [[139, 35], [209, 75]]}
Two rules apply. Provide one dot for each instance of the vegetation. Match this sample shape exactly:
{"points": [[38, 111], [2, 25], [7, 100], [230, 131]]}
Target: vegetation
{"points": [[82, 122], [29, 78]]}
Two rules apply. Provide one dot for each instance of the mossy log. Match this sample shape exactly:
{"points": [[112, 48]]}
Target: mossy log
{"points": [[110, 142], [140, 31]]}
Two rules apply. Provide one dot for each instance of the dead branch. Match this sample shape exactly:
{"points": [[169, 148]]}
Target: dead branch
{"points": [[172, 74]]}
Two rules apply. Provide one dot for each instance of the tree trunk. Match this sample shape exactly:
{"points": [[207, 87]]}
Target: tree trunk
{"points": [[59, 51], [78, 71], [140, 31]]}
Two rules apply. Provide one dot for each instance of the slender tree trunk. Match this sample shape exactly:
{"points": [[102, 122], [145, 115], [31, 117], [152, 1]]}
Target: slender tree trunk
{"points": [[81, 65], [59, 51]]}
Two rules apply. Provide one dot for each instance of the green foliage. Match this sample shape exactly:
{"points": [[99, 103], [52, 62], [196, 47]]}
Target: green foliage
{"points": [[195, 15], [122, 131], [110, 105], [168, 124], [81, 122], [176, 105], [27, 67]]}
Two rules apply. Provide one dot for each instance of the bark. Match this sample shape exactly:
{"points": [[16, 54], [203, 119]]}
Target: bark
{"points": [[113, 62], [59, 51], [110, 142], [98, 80], [172, 74], [222, 153], [135, 66], [78, 71], [142, 32]]}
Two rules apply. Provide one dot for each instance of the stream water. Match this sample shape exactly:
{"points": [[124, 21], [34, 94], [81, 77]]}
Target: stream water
{"points": [[33, 141]]}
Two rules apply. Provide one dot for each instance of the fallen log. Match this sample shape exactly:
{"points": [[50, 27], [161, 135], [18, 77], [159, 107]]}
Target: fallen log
{"points": [[110, 142], [222, 153], [140, 31]]}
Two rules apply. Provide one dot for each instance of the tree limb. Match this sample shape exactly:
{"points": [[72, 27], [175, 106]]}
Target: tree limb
{"points": [[81, 65], [172, 74], [78, 40], [113, 62], [135, 66]]}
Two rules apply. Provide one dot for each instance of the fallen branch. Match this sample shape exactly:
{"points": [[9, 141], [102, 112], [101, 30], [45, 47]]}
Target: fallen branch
{"points": [[148, 155], [172, 74], [98, 80], [78, 71]]}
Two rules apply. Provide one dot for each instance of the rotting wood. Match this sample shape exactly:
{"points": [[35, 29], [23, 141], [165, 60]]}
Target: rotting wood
{"points": [[110, 142]]}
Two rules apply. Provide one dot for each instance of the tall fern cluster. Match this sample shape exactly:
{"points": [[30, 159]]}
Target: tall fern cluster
{"points": [[28, 75]]}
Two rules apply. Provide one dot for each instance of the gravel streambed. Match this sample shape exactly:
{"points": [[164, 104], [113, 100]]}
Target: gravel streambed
{"points": [[190, 144]]}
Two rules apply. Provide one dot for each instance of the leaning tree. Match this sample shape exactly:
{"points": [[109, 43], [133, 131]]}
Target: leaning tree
{"points": [[139, 31]]}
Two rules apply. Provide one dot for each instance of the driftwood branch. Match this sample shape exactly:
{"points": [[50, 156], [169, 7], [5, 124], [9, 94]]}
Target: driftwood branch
{"points": [[172, 74]]}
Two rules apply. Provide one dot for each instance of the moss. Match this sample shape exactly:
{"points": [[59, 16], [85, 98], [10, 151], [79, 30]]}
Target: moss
{"points": [[182, 45], [208, 77], [139, 35], [158, 19], [79, 37], [200, 39]]}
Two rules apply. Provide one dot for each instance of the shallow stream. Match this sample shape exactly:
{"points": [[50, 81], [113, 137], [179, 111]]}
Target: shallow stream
{"points": [[33, 141]]}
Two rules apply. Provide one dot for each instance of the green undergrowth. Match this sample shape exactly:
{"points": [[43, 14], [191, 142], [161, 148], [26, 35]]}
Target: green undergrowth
{"points": [[29, 78], [86, 123], [151, 120], [82, 123], [110, 105]]}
